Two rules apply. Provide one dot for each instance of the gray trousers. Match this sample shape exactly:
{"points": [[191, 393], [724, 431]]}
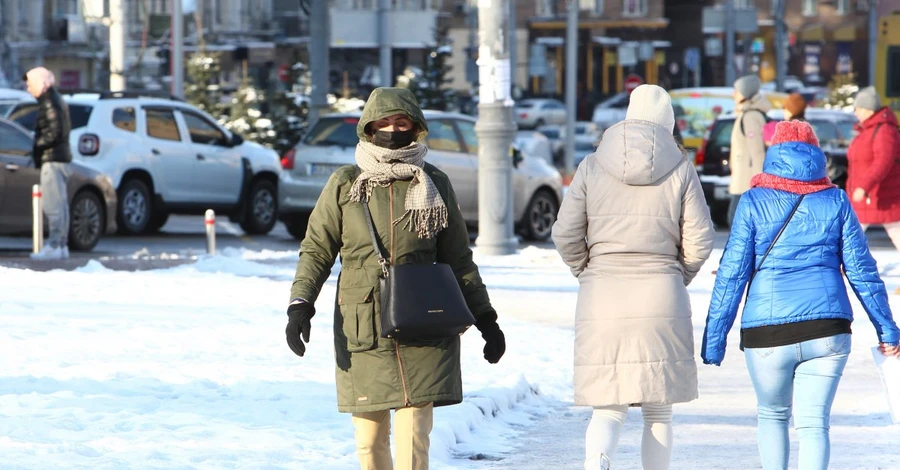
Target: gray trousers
{"points": [[54, 184]]}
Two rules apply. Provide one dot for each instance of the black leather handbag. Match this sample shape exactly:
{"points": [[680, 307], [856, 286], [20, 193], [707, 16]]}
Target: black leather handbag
{"points": [[419, 301]]}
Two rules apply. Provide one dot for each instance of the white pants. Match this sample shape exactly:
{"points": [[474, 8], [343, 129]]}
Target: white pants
{"points": [[892, 229], [606, 425]]}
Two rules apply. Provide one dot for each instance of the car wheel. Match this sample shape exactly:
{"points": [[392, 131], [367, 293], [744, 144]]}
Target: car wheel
{"points": [[540, 216], [262, 209], [86, 221], [539, 123], [157, 221], [296, 225], [134, 207]]}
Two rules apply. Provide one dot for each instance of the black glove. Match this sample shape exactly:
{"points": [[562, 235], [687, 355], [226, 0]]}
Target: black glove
{"points": [[298, 326], [494, 340]]}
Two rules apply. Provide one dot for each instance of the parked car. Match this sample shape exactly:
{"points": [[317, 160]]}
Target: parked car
{"points": [[10, 98], [611, 110], [452, 147], [166, 156], [833, 127], [584, 146], [534, 113], [534, 144], [92, 196], [554, 136], [584, 130], [791, 84]]}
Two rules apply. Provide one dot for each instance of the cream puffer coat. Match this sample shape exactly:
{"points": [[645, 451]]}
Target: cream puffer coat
{"points": [[635, 229], [748, 148]]}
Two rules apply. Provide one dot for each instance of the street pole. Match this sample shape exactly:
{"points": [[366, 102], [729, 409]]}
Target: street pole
{"points": [[177, 49], [384, 42], [512, 46], [873, 39], [571, 71], [729, 43], [320, 42], [495, 129], [117, 37], [780, 45]]}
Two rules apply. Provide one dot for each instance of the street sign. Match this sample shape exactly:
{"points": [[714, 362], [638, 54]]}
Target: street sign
{"points": [[627, 54], [692, 58], [633, 81], [537, 63], [713, 20]]}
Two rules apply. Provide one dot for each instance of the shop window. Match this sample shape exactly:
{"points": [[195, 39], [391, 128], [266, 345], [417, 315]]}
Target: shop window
{"points": [[633, 8], [810, 7], [842, 7]]}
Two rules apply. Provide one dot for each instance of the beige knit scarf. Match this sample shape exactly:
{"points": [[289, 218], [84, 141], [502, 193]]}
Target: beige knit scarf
{"points": [[381, 166]]}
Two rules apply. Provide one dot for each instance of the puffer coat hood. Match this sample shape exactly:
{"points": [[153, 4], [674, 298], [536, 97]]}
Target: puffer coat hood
{"points": [[638, 153], [801, 278], [796, 161], [384, 102]]}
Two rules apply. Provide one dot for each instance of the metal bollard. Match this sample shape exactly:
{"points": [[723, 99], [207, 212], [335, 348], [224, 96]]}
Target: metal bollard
{"points": [[37, 213], [210, 231]]}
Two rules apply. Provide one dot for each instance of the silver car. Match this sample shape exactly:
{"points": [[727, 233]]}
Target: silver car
{"points": [[452, 147], [534, 113], [92, 197]]}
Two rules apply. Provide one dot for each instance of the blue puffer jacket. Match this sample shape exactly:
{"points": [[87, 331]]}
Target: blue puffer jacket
{"points": [[801, 278]]}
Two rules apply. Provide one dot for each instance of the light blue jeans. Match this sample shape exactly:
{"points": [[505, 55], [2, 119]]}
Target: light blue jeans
{"points": [[802, 377]]}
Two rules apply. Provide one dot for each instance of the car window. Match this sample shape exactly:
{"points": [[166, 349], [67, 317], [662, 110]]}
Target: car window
{"points": [[333, 131], [552, 134], [616, 102], [125, 119], [846, 129], [13, 141], [161, 125], [525, 104], [442, 136], [25, 116], [721, 133], [825, 130], [584, 145], [202, 131], [5, 108], [470, 138], [79, 115]]}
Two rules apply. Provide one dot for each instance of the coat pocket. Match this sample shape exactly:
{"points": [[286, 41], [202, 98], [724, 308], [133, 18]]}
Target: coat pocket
{"points": [[358, 312]]}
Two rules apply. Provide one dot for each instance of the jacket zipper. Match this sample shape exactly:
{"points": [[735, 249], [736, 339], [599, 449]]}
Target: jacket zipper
{"points": [[396, 344]]}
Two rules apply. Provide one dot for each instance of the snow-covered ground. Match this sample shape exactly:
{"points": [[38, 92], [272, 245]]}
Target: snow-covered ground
{"points": [[188, 368]]}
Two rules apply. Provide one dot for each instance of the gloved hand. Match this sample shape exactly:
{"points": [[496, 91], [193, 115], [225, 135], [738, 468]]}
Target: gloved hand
{"points": [[299, 315], [494, 340]]}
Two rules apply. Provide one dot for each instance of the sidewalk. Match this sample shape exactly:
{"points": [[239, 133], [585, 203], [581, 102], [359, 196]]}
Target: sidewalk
{"points": [[555, 443], [118, 263]]}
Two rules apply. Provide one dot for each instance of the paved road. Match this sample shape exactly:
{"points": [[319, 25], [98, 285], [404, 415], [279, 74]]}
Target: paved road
{"points": [[185, 236]]}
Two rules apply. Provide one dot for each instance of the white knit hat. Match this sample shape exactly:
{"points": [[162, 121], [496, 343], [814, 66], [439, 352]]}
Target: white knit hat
{"points": [[651, 103]]}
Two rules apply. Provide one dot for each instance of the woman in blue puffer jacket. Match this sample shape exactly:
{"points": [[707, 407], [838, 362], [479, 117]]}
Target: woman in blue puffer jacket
{"points": [[795, 327]]}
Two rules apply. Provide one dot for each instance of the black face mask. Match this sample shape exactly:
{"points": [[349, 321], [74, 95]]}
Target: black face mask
{"points": [[393, 140]]}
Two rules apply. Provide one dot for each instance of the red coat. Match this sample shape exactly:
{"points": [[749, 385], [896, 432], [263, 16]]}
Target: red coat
{"points": [[874, 165]]}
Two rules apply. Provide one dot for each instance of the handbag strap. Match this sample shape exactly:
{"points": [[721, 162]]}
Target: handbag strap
{"points": [[774, 240], [378, 252]]}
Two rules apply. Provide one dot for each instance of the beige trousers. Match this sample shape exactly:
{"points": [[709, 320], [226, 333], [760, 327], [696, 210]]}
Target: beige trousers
{"points": [[412, 426], [892, 229]]}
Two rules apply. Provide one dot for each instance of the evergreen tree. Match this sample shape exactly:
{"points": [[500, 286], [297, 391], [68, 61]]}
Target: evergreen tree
{"points": [[842, 92], [430, 85], [289, 110], [203, 91], [245, 117]]}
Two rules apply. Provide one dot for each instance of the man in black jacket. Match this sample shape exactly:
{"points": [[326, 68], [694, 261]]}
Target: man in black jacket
{"points": [[52, 155]]}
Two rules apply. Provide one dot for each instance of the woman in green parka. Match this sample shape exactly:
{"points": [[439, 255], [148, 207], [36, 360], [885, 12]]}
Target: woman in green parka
{"points": [[418, 220]]}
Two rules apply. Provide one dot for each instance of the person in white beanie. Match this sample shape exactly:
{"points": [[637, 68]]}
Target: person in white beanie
{"points": [[634, 229], [748, 145]]}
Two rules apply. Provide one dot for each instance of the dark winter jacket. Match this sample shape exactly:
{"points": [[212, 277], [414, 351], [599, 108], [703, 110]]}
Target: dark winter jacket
{"points": [[874, 165], [375, 373], [801, 278], [51, 132]]}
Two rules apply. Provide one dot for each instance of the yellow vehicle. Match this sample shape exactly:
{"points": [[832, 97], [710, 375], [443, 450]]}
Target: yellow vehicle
{"points": [[887, 61], [696, 110]]}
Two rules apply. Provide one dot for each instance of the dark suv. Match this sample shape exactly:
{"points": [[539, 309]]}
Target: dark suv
{"points": [[833, 127]]}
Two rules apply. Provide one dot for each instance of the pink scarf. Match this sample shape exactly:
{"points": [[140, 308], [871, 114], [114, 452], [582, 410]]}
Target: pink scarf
{"points": [[765, 180]]}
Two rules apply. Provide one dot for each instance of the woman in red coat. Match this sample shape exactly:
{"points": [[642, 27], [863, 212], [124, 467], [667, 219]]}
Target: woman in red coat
{"points": [[874, 165]]}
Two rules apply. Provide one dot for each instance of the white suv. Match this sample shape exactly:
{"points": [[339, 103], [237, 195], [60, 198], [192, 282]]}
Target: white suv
{"points": [[165, 156]]}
